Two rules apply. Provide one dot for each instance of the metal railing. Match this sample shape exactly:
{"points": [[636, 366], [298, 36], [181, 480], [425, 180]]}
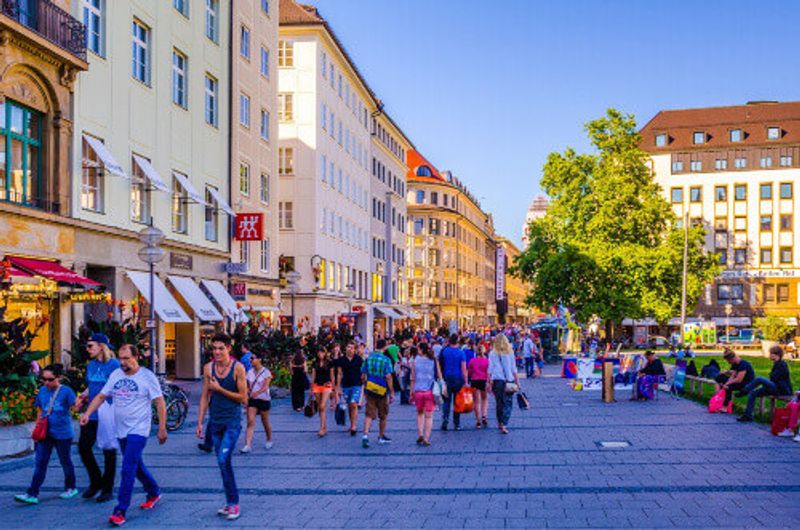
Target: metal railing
{"points": [[49, 21]]}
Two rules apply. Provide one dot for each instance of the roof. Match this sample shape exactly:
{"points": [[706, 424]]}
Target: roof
{"points": [[414, 160], [716, 122]]}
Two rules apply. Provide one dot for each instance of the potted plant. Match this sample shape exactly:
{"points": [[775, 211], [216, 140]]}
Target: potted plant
{"points": [[773, 329]]}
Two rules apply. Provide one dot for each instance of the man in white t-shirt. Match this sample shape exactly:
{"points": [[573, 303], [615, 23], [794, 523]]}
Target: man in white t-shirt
{"points": [[133, 390]]}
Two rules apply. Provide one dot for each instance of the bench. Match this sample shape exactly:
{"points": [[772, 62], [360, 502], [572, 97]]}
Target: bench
{"points": [[696, 384]]}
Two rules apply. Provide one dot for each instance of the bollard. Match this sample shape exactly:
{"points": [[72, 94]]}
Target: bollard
{"points": [[608, 382]]}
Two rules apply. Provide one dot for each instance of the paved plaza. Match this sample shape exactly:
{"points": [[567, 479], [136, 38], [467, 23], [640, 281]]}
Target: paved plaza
{"points": [[682, 468]]}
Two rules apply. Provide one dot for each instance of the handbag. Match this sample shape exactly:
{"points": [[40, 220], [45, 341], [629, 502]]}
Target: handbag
{"points": [[717, 403], [780, 420], [522, 401], [340, 413], [439, 390], [40, 429], [511, 388], [106, 428], [311, 407]]}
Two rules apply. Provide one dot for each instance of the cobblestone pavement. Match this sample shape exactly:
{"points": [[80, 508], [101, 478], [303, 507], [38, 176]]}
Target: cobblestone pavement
{"points": [[683, 468]]}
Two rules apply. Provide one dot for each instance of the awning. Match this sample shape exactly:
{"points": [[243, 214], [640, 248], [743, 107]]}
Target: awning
{"points": [[151, 174], [52, 270], [260, 308], [642, 322], [676, 321], [191, 191], [167, 308], [387, 311], [733, 321], [222, 204], [195, 298], [219, 293], [105, 156]]}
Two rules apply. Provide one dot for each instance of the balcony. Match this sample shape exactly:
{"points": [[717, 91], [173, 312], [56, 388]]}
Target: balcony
{"points": [[49, 21]]}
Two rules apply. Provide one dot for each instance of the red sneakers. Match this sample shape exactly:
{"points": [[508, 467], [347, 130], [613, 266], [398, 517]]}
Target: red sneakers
{"points": [[150, 502], [117, 519]]}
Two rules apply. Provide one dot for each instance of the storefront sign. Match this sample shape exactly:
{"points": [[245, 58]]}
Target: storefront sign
{"points": [[286, 320], [180, 261], [358, 309], [249, 227], [770, 273], [83, 298], [500, 273], [238, 290], [259, 292], [235, 268]]}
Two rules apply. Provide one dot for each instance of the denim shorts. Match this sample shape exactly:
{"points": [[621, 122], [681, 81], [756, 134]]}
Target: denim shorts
{"points": [[352, 394]]}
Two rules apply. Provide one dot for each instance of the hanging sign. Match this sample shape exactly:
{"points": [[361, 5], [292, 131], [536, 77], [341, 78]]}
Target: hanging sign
{"points": [[249, 227]]}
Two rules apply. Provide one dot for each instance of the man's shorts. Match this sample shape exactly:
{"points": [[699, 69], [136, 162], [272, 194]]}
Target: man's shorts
{"points": [[352, 394], [377, 406]]}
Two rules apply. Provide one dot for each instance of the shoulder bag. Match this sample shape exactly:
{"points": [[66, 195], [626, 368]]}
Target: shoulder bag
{"points": [[511, 386], [40, 430]]}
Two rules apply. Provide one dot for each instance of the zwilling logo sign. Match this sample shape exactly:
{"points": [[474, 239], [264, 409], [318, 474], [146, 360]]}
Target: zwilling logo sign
{"points": [[249, 227], [500, 278]]}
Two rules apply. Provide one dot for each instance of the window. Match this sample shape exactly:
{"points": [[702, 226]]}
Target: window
{"points": [[768, 293], [141, 52], [94, 20], [211, 101], [244, 178], [286, 161], [723, 257], [419, 226], [786, 254], [721, 238], [773, 133], [730, 293], [677, 166], [244, 252], [699, 138], [721, 164], [264, 124], [696, 165], [181, 6], [766, 161], [677, 195], [20, 154], [786, 190], [286, 106], [244, 110], [740, 224], [140, 195], [91, 179], [766, 223], [766, 191], [244, 42], [695, 194], [178, 78], [285, 54], [766, 256], [285, 217], [786, 222], [264, 189], [736, 135], [264, 261], [721, 193], [265, 7], [420, 198], [180, 207], [786, 161], [434, 197], [211, 217], [264, 62], [783, 293], [212, 20], [740, 163], [661, 140], [740, 192], [740, 256]]}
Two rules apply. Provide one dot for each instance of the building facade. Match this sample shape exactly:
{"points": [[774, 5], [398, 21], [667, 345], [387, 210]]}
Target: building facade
{"points": [[536, 210], [735, 171], [513, 310]]}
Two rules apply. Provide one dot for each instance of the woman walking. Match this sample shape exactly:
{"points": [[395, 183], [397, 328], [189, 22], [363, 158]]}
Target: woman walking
{"points": [[502, 373], [53, 402], [258, 402], [299, 380], [321, 386], [478, 370], [424, 371]]}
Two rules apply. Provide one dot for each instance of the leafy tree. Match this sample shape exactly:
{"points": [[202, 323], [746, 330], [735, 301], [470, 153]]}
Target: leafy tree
{"points": [[609, 245]]}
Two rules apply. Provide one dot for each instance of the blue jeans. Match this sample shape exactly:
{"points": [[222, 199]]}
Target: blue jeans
{"points": [[225, 438], [760, 386], [504, 402], [133, 468], [43, 451], [529, 366], [454, 385]]}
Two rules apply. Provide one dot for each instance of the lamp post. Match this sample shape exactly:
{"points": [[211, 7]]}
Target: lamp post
{"points": [[293, 279], [151, 254], [728, 311]]}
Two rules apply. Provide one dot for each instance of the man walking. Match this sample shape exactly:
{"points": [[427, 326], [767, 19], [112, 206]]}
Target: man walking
{"points": [[454, 369], [133, 389], [224, 393], [527, 354], [376, 374], [348, 382]]}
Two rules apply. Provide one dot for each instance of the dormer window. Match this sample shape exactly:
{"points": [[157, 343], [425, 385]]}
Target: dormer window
{"points": [[773, 133], [661, 140], [736, 135], [699, 137]]}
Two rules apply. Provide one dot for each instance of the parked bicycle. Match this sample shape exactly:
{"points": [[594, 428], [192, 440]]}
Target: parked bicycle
{"points": [[177, 402]]}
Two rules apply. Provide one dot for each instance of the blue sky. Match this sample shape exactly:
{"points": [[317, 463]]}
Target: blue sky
{"points": [[487, 89]]}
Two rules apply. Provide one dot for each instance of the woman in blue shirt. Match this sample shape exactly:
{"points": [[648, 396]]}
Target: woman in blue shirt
{"points": [[53, 401]]}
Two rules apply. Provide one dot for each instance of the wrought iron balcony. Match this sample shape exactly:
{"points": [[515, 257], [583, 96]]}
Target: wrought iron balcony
{"points": [[49, 21]]}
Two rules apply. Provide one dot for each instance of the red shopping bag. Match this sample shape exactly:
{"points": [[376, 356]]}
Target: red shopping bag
{"points": [[780, 420], [464, 401]]}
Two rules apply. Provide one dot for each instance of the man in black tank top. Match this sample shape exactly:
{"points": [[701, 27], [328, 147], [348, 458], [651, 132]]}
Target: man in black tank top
{"points": [[224, 393]]}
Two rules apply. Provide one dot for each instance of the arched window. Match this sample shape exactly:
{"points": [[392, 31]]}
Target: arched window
{"points": [[424, 171]]}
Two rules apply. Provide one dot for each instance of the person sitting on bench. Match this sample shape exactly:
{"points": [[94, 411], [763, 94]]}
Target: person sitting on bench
{"points": [[739, 376], [648, 376], [778, 384]]}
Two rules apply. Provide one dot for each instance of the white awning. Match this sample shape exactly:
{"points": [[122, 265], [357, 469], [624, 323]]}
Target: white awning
{"points": [[151, 174], [261, 308], [167, 308], [222, 204], [105, 156], [219, 293], [676, 321], [195, 298], [732, 321], [642, 322], [389, 312], [191, 191]]}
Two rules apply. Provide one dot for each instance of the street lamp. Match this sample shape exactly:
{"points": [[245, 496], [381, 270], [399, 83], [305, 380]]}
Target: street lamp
{"points": [[728, 311], [293, 280], [151, 254]]}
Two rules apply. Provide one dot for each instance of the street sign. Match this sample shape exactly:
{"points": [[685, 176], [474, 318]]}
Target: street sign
{"points": [[235, 268], [238, 290]]}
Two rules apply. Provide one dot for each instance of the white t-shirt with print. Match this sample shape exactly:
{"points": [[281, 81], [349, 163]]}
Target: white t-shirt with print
{"points": [[254, 378], [132, 395]]}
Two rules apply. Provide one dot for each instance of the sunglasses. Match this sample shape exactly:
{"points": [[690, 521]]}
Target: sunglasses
{"points": [[48, 379]]}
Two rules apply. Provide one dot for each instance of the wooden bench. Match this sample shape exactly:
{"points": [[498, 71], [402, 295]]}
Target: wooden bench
{"points": [[696, 385]]}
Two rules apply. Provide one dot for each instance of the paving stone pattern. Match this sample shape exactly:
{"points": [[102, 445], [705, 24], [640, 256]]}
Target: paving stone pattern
{"points": [[683, 468]]}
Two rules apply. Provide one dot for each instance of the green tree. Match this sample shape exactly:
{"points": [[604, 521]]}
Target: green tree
{"points": [[609, 244]]}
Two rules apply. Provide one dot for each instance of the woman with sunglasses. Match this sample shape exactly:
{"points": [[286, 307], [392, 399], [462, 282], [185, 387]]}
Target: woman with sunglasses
{"points": [[53, 401]]}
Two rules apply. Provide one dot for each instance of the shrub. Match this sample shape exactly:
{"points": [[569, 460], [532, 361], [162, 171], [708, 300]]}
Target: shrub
{"points": [[773, 327], [16, 356], [16, 408]]}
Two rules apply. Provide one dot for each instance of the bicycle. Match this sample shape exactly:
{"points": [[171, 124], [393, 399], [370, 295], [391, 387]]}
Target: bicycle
{"points": [[177, 404]]}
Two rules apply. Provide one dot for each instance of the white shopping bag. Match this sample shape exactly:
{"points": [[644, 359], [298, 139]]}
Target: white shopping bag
{"points": [[106, 428]]}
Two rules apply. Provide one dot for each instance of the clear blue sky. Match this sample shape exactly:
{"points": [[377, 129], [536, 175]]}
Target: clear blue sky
{"points": [[488, 89]]}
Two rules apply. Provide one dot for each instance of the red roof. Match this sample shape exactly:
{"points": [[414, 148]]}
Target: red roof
{"points": [[414, 160], [51, 270]]}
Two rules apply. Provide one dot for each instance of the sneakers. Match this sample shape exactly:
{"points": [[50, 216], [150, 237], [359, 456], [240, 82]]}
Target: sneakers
{"points": [[117, 518], [786, 433], [26, 499], [744, 419], [68, 494], [384, 440], [150, 502], [230, 513], [365, 441], [457, 427], [797, 438], [245, 449], [268, 446]]}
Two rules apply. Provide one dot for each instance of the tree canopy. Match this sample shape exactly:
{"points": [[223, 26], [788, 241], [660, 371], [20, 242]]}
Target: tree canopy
{"points": [[610, 244]]}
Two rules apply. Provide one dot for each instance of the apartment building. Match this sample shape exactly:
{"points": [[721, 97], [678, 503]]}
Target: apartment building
{"points": [[735, 171], [512, 308]]}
